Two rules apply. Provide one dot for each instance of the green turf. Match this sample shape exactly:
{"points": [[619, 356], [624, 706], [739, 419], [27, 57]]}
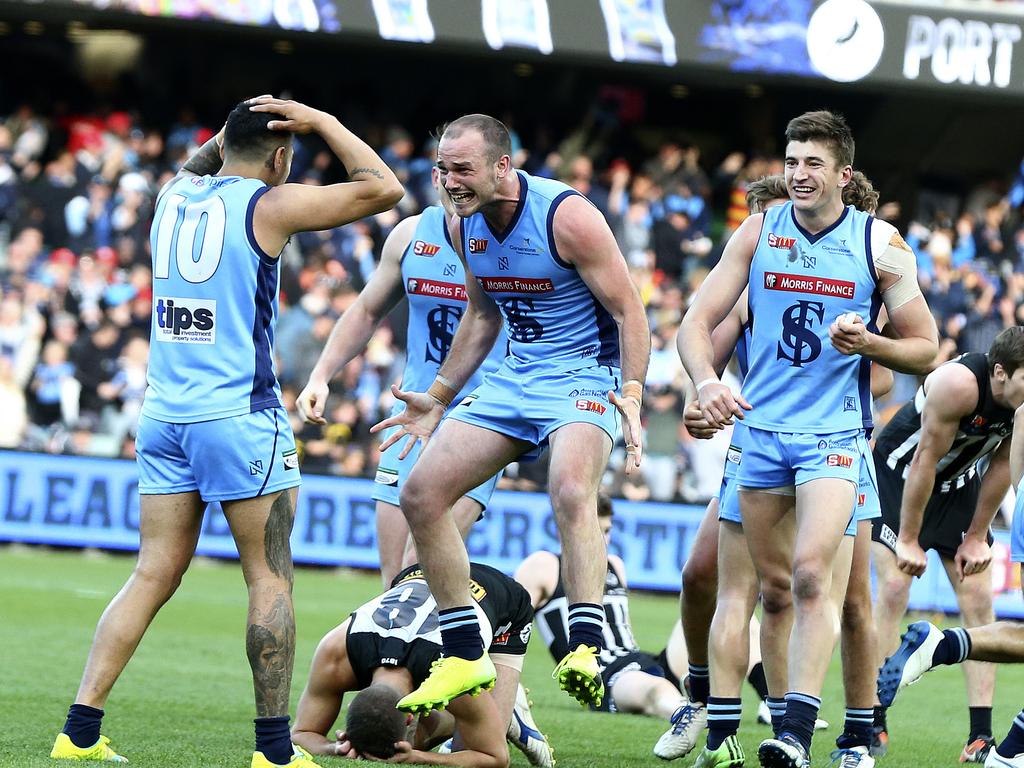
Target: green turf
{"points": [[185, 699]]}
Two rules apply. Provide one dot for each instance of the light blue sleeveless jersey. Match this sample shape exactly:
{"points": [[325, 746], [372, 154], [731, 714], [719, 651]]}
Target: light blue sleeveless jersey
{"points": [[799, 284], [214, 304], [435, 284], [551, 317]]}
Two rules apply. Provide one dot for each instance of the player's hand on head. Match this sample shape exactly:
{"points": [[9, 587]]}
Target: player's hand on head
{"points": [[848, 334], [632, 430], [972, 556], [696, 424], [910, 558], [295, 116], [418, 421], [343, 747], [311, 402]]}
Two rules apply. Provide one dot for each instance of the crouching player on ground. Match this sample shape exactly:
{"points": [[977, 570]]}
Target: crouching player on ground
{"points": [[387, 647], [925, 646]]}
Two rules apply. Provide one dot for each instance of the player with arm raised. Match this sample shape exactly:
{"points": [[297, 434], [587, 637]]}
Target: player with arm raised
{"points": [[935, 496], [212, 426], [806, 401], [419, 262], [542, 259]]}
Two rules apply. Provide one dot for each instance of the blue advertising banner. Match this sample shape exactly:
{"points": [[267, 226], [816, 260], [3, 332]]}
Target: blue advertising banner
{"points": [[77, 501]]}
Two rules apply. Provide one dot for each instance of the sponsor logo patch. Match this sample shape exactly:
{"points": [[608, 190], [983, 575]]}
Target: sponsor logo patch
{"points": [[888, 536], [290, 459], [588, 393], [820, 286], [734, 455], [861, 498], [778, 241], [185, 321], [849, 404], [477, 244], [591, 406], [839, 460], [423, 248], [256, 467], [436, 288], [517, 284], [386, 476]]}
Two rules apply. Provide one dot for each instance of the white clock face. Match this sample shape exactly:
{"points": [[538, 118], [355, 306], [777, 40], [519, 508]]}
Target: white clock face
{"points": [[845, 39]]}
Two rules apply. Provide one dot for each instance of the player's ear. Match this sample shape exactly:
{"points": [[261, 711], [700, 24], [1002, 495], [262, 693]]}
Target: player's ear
{"points": [[408, 718], [503, 166]]}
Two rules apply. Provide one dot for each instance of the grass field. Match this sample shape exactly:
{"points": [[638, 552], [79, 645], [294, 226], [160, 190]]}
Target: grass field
{"points": [[185, 699]]}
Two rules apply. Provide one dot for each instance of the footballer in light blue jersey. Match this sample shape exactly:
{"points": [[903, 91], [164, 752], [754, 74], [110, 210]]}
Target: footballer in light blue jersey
{"points": [[419, 263], [817, 273], [212, 427], [541, 262]]}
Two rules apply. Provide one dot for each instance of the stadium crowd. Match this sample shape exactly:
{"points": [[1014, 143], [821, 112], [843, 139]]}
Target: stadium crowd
{"points": [[76, 200]]}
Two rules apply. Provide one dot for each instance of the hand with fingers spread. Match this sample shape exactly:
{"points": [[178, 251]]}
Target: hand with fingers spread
{"points": [[972, 556], [296, 117], [418, 421], [910, 558], [312, 401], [628, 406], [696, 424], [403, 754], [718, 404]]}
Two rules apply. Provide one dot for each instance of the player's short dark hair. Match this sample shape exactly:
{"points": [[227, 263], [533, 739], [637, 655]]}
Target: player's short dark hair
{"points": [[1007, 350], [764, 190], [604, 505], [825, 126], [495, 133], [861, 193], [246, 133], [373, 723]]}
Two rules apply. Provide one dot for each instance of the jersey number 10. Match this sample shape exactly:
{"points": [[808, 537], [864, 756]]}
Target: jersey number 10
{"points": [[196, 231]]}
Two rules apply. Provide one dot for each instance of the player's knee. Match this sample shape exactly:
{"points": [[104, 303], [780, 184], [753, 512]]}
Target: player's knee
{"points": [[809, 581], [573, 501], [776, 595], [893, 591], [856, 610], [161, 579], [700, 579], [417, 501]]}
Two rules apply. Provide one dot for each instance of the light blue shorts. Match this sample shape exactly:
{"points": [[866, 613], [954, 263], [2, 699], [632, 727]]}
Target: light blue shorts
{"points": [[239, 457], [1017, 531], [779, 459], [829, 457], [392, 472], [728, 499], [530, 402]]}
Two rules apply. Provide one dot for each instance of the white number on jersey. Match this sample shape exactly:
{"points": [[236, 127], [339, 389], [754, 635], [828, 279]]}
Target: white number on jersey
{"points": [[202, 221]]}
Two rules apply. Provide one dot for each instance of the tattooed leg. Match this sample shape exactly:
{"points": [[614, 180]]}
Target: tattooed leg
{"points": [[261, 528]]}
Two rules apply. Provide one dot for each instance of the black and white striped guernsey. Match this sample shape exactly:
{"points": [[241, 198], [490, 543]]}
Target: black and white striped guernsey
{"points": [[979, 433], [552, 620]]}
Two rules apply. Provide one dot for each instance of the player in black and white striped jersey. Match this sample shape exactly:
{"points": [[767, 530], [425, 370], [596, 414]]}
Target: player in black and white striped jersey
{"points": [[387, 646], [635, 681], [934, 495]]}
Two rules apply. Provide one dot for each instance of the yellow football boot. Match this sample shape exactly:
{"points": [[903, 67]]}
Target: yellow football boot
{"points": [[64, 749], [449, 678], [579, 675], [300, 759]]}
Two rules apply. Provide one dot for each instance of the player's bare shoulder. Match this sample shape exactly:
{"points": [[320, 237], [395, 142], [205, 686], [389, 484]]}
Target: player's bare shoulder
{"points": [[952, 389]]}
